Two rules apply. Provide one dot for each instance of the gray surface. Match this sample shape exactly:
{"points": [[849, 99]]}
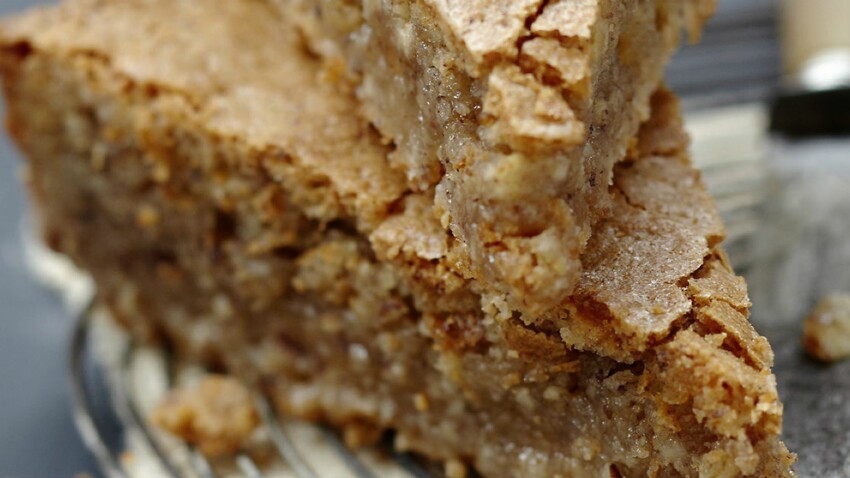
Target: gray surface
{"points": [[817, 407], [37, 438]]}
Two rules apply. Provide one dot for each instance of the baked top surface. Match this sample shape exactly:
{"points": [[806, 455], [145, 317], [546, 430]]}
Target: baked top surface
{"points": [[514, 112], [271, 98], [230, 63], [314, 128]]}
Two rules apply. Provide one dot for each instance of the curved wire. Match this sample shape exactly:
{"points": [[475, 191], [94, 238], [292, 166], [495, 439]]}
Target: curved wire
{"points": [[81, 405]]}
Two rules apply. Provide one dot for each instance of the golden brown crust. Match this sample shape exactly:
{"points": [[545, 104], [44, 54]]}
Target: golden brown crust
{"points": [[527, 114], [567, 19], [340, 173], [233, 102], [485, 29], [527, 105], [663, 134], [663, 227], [716, 281], [728, 398]]}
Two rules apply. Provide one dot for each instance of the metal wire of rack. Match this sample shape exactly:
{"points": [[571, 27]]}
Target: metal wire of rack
{"points": [[290, 460]]}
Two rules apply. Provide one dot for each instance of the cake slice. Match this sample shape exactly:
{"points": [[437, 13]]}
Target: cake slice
{"points": [[512, 113], [229, 202]]}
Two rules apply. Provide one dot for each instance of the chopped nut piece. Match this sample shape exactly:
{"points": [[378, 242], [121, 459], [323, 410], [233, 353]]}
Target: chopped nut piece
{"points": [[420, 402]]}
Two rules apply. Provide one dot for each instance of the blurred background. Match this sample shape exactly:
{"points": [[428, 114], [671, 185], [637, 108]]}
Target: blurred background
{"points": [[37, 436], [766, 100]]}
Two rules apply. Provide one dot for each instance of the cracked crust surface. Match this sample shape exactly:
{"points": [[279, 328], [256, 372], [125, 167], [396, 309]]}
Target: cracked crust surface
{"points": [[326, 165], [513, 113], [233, 101], [234, 257]]}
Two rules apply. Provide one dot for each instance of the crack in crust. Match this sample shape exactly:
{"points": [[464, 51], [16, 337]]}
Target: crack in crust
{"points": [[514, 112]]}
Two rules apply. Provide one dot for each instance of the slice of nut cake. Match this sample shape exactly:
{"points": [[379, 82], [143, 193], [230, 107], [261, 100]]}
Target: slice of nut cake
{"points": [[229, 202]]}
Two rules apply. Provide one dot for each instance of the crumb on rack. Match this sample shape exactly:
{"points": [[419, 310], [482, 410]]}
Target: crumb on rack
{"points": [[826, 331], [217, 415]]}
